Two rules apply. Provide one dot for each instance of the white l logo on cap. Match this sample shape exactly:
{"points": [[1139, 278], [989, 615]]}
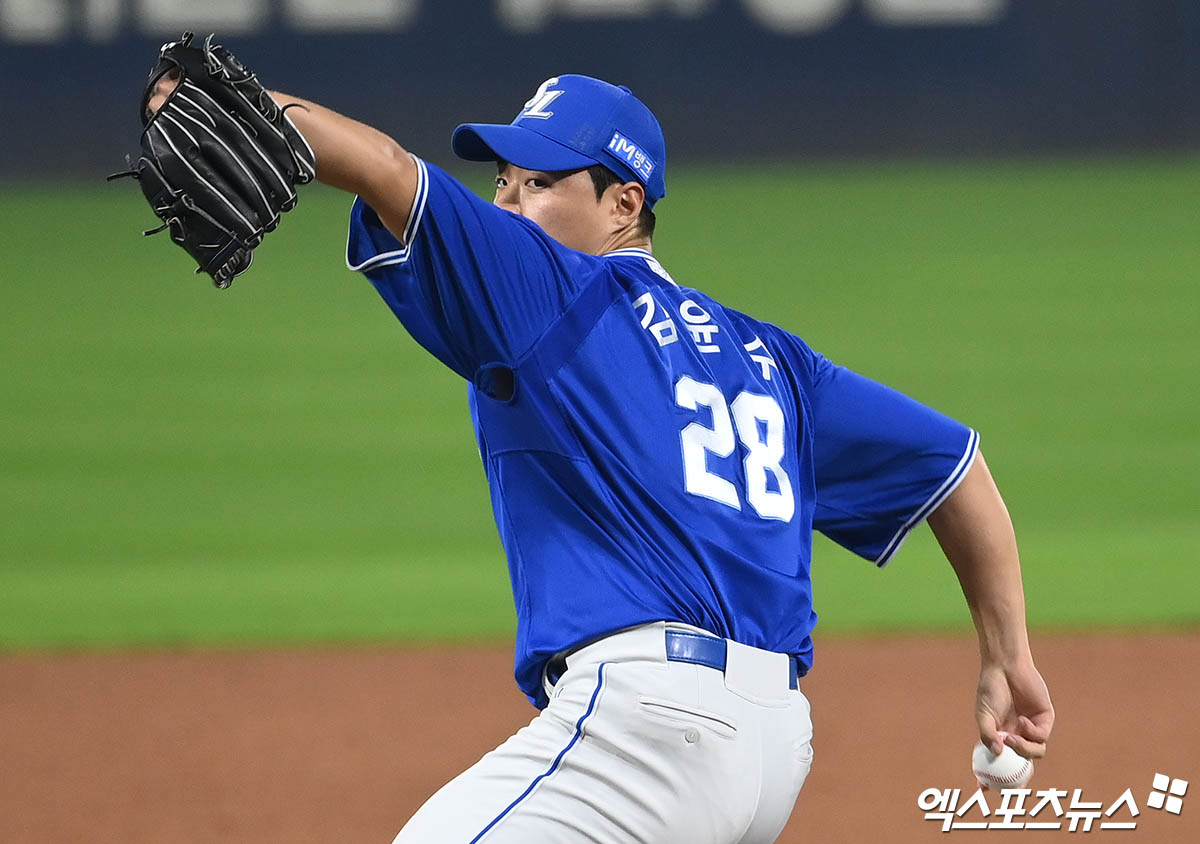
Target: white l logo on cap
{"points": [[537, 105]]}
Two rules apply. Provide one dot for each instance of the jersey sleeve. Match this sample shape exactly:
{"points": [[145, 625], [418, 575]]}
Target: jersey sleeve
{"points": [[473, 283], [883, 461]]}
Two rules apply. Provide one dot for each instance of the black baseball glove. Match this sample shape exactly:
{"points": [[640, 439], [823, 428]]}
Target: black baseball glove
{"points": [[220, 159]]}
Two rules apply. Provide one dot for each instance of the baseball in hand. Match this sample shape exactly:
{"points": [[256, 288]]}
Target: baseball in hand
{"points": [[1008, 770]]}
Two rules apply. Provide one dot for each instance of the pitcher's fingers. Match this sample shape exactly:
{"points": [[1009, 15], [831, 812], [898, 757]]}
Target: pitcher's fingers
{"points": [[166, 83], [1025, 747], [1034, 731], [991, 737]]}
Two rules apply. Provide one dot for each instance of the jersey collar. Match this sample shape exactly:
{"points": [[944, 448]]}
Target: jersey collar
{"points": [[646, 256], [632, 251]]}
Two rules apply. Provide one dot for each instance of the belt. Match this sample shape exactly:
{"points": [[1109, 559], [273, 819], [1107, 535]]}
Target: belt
{"points": [[710, 651], [684, 646]]}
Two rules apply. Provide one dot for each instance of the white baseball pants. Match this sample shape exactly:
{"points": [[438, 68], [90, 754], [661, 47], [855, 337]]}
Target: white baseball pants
{"points": [[634, 749]]}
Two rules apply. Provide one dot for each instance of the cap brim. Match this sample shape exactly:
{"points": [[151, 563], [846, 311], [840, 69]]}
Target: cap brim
{"points": [[516, 145]]}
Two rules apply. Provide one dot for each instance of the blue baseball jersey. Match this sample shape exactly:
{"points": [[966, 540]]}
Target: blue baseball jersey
{"points": [[651, 454]]}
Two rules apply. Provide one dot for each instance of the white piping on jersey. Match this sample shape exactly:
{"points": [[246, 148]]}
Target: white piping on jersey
{"points": [[631, 250], [941, 494], [651, 261], [399, 256]]}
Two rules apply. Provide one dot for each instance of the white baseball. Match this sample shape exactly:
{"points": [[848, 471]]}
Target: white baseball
{"points": [[1008, 770]]}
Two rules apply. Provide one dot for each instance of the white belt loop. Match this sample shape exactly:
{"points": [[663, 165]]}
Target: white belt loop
{"points": [[757, 675]]}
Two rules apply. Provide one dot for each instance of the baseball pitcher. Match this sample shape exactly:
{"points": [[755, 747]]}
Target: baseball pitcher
{"points": [[657, 461]]}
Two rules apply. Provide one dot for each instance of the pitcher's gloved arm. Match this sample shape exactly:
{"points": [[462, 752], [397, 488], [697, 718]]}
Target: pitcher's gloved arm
{"points": [[976, 534], [357, 158]]}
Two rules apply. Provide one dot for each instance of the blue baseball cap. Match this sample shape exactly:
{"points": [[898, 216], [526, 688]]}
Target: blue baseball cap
{"points": [[574, 122]]}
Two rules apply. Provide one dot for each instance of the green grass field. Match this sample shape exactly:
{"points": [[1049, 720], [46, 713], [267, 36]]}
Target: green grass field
{"points": [[280, 462]]}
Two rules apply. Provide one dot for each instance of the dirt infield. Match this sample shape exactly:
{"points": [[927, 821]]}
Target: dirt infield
{"points": [[341, 746]]}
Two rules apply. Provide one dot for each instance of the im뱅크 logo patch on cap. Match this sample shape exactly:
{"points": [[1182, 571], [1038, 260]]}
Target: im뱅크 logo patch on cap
{"points": [[631, 154]]}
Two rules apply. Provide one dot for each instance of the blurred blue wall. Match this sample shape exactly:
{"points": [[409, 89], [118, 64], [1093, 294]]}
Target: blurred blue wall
{"points": [[728, 78]]}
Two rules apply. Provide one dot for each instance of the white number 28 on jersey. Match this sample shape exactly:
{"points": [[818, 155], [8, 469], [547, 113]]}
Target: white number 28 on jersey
{"points": [[758, 421]]}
